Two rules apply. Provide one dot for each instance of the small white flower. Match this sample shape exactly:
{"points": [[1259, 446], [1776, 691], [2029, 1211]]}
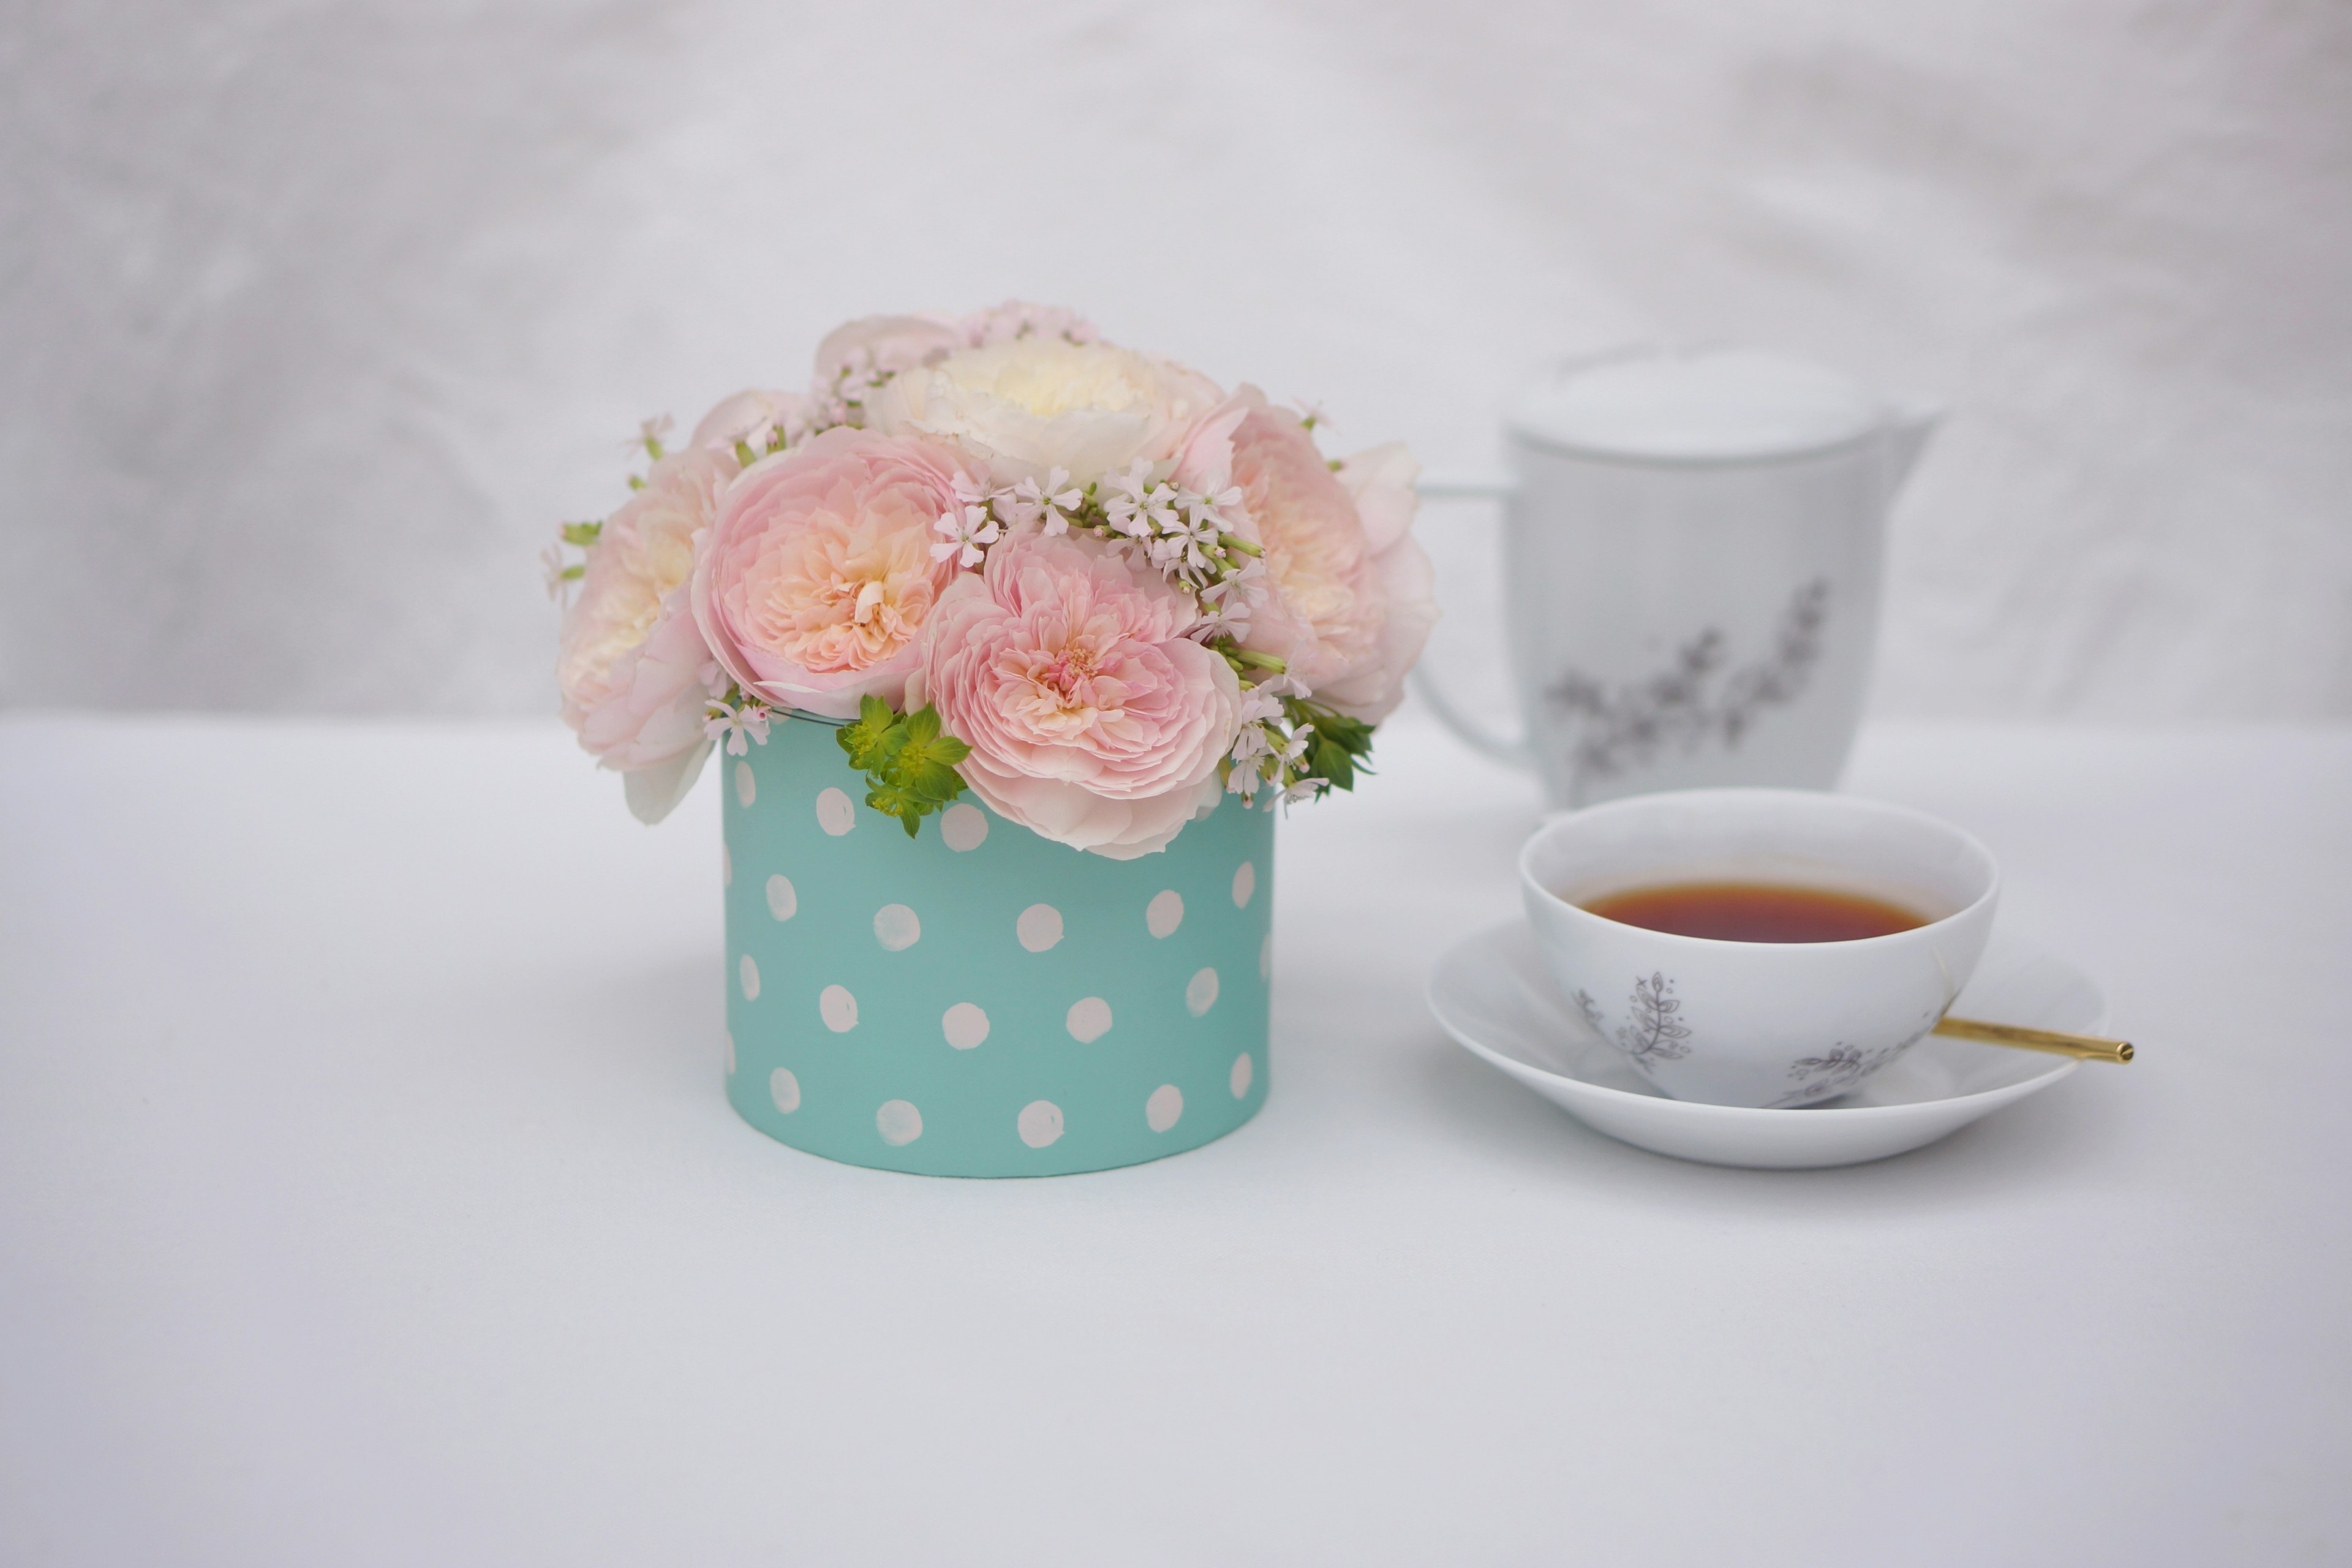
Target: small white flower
{"points": [[1220, 619], [1244, 586], [1029, 501], [1210, 508], [738, 725], [1124, 498], [1192, 529], [1161, 507], [652, 432], [968, 531], [1258, 705], [1248, 773]]}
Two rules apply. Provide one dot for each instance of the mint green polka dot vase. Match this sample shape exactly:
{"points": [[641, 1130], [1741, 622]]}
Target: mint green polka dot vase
{"points": [[977, 1001]]}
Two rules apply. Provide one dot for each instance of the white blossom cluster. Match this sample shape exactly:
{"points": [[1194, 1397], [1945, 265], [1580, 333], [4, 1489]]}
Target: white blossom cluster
{"points": [[1180, 534]]}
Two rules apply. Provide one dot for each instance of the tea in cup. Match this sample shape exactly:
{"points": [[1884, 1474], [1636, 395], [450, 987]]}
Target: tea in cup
{"points": [[1757, 947]]}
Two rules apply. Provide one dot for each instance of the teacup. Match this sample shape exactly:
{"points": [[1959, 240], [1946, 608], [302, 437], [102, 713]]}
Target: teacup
{"points": [[1750, 1023]]}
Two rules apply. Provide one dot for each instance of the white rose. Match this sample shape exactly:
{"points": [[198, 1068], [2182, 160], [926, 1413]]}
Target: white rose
{"points": [[1036, 403]]}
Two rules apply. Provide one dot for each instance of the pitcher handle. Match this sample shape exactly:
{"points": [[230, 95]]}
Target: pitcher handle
{"points": [[1510, 749]]}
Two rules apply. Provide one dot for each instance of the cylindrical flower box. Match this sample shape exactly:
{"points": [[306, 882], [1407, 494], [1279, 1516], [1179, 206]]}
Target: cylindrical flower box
{"points": [[977, 1001]]}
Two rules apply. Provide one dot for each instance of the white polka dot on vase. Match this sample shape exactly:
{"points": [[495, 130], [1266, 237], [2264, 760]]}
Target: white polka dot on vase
{"points": [[1039, 927], [1166, 1104], [747, 788], [1265, 958], [784, 1089], [899, 1123], [1089, 1019], [748, 975], [895, 927], [1244, 885], [1039, 1124], [1164, 913], [838, 1008], [1201, 992], [965, 1024], [835, 812], [1244, 1071], [782, 902], [963, 826]]}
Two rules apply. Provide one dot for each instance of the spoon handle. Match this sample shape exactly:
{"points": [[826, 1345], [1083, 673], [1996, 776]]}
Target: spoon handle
{"points": [[2089, 1047]]}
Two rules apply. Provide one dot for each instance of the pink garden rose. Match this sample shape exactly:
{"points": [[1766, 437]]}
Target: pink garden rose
{"points": [[817, 577], [630, 661], [1349, 599], [1092, 720]]}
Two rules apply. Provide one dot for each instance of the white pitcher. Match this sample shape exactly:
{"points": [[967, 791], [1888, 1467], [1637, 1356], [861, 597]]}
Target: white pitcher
{"points": [[1691, 547]]}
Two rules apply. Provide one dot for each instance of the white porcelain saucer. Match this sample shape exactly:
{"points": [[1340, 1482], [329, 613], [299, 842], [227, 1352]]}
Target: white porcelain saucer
{"points": [[1491, 994]]}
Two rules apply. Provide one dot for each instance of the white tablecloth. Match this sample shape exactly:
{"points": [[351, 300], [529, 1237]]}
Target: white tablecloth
{"points": [[367, 1194]]}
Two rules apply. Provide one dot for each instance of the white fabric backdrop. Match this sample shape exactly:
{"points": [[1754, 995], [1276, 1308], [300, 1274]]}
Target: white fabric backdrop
{"points": [[318, 315]]}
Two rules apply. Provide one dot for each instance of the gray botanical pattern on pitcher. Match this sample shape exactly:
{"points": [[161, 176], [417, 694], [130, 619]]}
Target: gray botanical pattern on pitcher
{"points": [[1626, 728]]}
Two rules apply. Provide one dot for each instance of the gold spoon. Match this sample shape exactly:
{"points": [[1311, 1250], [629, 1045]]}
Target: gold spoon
{"points": [[2089, 1047]]}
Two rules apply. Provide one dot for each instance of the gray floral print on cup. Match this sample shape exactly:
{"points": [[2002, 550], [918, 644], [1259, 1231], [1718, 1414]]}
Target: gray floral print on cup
{"points": [[1653, 1032]]}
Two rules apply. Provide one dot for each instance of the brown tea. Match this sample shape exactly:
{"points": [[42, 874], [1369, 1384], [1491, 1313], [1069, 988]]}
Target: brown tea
{"points": [[1755, 911]]}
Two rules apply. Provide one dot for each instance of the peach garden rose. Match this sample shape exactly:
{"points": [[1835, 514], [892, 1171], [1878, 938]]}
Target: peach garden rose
{"points": [[818, 575], [1350, 601], [1092, 719]]}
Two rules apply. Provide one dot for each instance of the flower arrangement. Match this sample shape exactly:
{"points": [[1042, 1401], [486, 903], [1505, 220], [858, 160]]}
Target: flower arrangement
{"points": [[1001, 555]]}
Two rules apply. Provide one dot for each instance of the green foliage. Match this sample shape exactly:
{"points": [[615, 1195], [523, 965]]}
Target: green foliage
{"points": [[1338, 746], [908, 759], [582, 534]]}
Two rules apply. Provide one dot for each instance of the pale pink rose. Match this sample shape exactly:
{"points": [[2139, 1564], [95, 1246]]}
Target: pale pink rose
{"points": [[631, 660], [1092, 720], [1020, 318], [1349, 592], [817, 576], [1381, 479], [885, 344], [748, 417], [1030, 404]]}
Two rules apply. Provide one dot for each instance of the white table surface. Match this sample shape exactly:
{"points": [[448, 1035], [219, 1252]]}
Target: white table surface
{"points": [[367, 1194]]}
